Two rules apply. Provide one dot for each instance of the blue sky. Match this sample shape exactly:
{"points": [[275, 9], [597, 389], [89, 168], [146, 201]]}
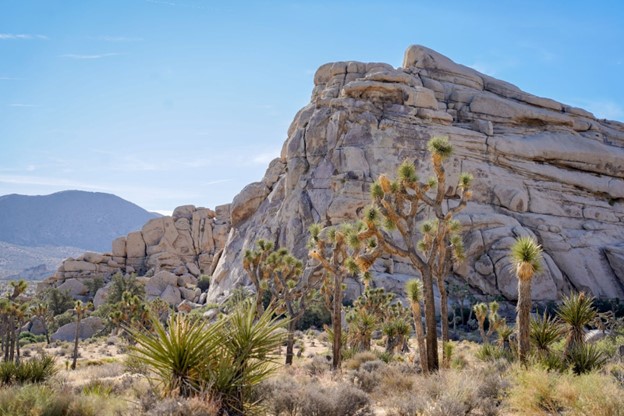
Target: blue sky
{"points": [[172, 102]]}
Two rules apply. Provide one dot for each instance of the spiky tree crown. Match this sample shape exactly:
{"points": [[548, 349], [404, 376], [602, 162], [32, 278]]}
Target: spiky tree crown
{"points": [[440, 147], [526, 255], [414, 290]]}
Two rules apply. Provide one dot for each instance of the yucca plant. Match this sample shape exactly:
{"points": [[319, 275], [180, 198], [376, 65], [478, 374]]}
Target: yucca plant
{"points": [[545, 330], [576, 312], [177, 354], [584, 358], [227, 358], [526, 256]]}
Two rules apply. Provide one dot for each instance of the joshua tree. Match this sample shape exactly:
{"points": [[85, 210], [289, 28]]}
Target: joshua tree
{"points": [[495, 322], [369, 311], [336, 249], [430, 248], [526, 256], [414, 291], [81, 310], [576, 312], [254, 265], [40, 310], [280, 273]]}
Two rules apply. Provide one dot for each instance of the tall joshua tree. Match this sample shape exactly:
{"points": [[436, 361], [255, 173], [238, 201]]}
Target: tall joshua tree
{"points": [[400, 206], [526, 256]]}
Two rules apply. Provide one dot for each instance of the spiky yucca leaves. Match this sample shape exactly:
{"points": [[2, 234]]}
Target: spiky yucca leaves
{"points": [[584, 358], [342, 251], [545, 331], [576, 312], [225, 359], [414, 293], [526, 256], [430, 248]]}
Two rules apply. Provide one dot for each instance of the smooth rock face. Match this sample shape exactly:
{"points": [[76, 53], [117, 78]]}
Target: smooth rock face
{"points": [[541, 168]]}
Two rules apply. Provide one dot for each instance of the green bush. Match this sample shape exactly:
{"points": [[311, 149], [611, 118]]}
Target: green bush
{"points": [[203, 283], [585, 358], [35, 370], [30, 338]]}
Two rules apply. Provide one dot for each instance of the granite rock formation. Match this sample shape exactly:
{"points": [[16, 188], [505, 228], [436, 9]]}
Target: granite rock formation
{"points": [[541, 168]]}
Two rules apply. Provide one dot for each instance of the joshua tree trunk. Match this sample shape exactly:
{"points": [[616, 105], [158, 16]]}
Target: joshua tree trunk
{"points": [[290, 342], [443, 316], [76, 339], [430, 323], [337, 323], [524, 310], [420, 336]]}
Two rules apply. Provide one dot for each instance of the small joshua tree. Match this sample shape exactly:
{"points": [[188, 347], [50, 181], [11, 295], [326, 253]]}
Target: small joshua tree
{"points": [[576, 312], [496, 322], [336, 249], [254, 265], [81, 310], [281, 274], [526, 256]]}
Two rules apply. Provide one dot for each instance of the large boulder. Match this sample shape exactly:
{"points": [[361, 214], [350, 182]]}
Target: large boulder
{"points": [[89, 327]]}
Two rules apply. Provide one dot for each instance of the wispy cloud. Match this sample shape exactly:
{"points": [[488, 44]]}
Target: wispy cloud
{"points": [[11, 79], [119, 39], [15, 36], [23, 105], [89, 57], [484, 68]]}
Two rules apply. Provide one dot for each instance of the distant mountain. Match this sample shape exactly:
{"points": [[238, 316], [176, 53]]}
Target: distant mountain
{"points": [[89, 220], [32, 263]]}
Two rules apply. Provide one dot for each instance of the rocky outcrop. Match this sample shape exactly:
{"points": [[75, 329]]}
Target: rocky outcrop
{"points": [[541, 168], [181, 247]]}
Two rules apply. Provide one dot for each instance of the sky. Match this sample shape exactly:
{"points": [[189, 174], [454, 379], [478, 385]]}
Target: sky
{"points": [[173, 102]]}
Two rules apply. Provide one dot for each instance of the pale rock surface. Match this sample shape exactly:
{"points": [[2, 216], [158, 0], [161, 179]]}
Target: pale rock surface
{"points": [[89, 326], [541, 168]]}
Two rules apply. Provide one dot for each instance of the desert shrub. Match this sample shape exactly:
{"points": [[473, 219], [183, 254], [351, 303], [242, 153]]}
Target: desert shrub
{"points": [[337, 400], [124, 284], [203, 283], [316, 316], [42, 400], [93, 285], [318, 365], [26, 338], [281, 396], [35, 370], [490, 352], [585, 358], [57, 301], [536, 391], [358, 359], [97, 387]]}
